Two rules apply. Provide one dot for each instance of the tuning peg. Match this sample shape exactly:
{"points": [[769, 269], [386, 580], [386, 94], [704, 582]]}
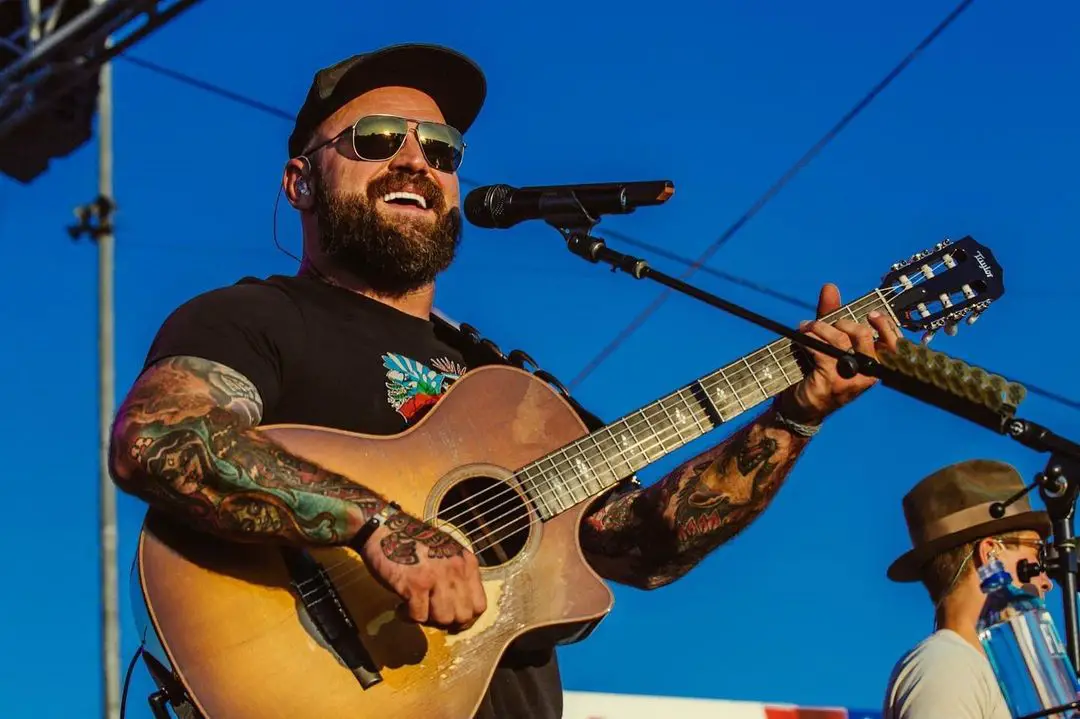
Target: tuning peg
{"points": [[927, 336], [973, 317], [951, 329]]}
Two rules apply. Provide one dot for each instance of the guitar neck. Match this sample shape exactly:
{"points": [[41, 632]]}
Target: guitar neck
{"points": [[600, 460]]}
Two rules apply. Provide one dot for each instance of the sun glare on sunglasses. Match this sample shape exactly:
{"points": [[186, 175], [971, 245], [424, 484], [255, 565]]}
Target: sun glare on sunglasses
{"points": [[378, 138]]}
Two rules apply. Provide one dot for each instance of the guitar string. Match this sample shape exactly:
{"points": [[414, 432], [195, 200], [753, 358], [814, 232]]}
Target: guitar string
{"points": [[580, 450], [750, 364], [748, 370], [868, 300], [501, 533], [655, 441], [658, 438], [511, 494], [528, 521]]}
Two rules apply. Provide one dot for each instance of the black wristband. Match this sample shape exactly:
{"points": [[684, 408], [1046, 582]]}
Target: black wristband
{"points": [[360, 539]]}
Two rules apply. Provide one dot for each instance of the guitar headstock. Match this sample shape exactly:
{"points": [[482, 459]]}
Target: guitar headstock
{"points": [[939, 288]]}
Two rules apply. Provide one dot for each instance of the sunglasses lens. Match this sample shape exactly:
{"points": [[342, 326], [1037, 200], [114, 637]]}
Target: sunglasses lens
{"points": [[378, 138], [442, 145]]}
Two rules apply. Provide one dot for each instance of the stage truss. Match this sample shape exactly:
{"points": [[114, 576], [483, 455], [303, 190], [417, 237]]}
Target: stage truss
{"points": [[51, 52]]}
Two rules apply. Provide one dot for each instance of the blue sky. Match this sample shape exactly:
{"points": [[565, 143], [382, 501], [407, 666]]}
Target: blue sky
{"points": [[976, 137]]}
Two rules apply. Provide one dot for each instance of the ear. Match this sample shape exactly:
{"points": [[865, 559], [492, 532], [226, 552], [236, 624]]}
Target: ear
{"points": [[297, 182], [985, 548]]}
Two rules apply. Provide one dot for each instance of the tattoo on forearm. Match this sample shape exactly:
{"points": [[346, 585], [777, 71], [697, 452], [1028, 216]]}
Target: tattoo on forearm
{"points": [[400, 545], [183, 440], [652, 536], [707, 506]]}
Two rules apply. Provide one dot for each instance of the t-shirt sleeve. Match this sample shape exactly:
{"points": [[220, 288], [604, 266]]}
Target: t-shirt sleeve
{"points": [[252, 329], [943, 682]]}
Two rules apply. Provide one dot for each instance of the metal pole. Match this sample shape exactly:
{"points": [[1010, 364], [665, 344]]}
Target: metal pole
{"points": [[106, 386]]}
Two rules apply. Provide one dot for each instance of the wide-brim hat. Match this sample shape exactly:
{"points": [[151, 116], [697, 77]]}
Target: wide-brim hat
{"points": [[454, 81], [952, 507]]}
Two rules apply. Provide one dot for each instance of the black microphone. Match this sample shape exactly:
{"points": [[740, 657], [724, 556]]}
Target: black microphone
{"points": [[502, 206]]}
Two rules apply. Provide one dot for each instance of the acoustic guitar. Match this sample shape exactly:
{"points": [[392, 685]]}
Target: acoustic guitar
{"points": [[505, 465]]}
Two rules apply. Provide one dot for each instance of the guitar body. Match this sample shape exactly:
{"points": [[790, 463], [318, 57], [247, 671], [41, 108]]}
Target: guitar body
{"points": [[237, 634]]}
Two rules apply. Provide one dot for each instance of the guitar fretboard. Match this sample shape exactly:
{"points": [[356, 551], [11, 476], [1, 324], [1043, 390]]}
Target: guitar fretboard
{"points": [[602, 459]]}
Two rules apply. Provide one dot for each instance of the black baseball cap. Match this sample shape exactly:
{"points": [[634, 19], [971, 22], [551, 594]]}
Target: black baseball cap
{"points": [[455, 82]]}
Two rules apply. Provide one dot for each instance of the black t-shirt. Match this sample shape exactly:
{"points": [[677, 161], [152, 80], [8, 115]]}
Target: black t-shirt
{"points": [[322, 355]]}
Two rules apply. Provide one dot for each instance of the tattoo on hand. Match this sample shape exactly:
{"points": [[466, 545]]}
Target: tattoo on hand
{"points": [[405, 532]]}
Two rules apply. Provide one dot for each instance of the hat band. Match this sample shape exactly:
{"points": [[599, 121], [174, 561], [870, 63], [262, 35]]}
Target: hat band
{"points": [[964, 519]]}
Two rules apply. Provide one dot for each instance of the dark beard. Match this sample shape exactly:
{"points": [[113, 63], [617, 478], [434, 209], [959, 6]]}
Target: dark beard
{"points": [[391, 258]]}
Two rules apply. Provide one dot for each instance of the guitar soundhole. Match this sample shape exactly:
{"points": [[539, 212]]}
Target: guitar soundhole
{"points": [[491, 515]]}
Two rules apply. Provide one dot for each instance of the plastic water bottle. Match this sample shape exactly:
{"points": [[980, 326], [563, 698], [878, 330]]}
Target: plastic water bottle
{"points": [[1024, 648]]}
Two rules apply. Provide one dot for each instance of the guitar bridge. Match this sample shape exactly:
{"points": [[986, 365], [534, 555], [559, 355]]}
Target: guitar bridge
{"points": [[320, 598]]}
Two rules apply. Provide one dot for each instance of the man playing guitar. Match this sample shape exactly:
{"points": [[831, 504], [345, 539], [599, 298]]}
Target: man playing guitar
{"points": [[349, 343]]}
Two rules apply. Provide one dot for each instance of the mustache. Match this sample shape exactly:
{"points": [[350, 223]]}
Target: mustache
{"points": [[402, 182]]}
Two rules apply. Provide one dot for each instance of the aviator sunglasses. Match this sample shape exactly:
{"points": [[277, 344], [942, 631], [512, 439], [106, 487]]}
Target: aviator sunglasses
{"points": [[377, 138]]}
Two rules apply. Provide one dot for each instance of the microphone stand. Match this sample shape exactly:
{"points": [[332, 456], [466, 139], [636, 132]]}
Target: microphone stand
{"points": [[1059, 484]]}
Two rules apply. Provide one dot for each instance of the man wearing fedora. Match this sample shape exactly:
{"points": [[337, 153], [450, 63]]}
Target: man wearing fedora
{"points": [[947, 675]]}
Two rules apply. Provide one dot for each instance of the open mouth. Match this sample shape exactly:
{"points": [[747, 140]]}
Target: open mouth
{"points": [[405, 199]]}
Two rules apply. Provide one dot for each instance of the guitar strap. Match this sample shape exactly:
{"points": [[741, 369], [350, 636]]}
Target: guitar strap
{"points": [[479, 351]]}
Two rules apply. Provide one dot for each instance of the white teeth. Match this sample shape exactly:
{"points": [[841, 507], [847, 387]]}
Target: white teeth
{"points": [[418, 199]]}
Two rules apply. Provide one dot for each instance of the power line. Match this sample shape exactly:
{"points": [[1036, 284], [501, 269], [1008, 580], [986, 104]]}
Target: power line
{"points": [[209, 87], [640, 320], [735, 279], [727, 276]]}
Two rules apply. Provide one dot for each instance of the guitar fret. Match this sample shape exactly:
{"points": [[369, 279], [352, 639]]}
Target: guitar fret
{"points": [[582, 473], [693, 412], [710, 402], [673, 421], [602, 451], [779, 364], [622, 443], [545, 488], [764, 375], [753, 376], [537, 494], [734, 391], [655, 434], [554, 482]]}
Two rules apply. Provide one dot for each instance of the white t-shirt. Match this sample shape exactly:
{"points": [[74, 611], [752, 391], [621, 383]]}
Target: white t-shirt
{"points": [[944, 677]]}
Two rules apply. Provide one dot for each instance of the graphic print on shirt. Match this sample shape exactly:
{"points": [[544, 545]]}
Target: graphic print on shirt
{"points": [[413, 387]]}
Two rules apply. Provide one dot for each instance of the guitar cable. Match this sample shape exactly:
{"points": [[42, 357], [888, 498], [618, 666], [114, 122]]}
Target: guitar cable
{"points": [[127, 679]]}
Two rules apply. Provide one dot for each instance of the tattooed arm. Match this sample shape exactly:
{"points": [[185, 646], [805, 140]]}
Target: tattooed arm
{"points": [[183, 441], [652, 536]]}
